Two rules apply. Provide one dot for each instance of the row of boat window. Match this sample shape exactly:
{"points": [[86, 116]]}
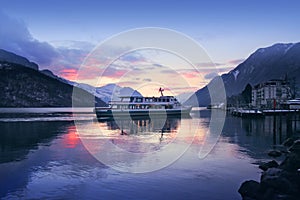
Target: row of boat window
{"points": [[152, 100], [142, 106]]}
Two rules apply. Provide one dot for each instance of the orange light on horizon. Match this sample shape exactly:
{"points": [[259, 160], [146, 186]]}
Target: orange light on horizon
{"points": [[69, 74]]}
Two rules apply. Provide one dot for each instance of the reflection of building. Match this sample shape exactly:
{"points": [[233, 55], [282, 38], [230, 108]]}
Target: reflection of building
{"points": [[271, 93]]}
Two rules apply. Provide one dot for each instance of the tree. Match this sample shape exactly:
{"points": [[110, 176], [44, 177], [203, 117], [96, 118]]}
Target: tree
{"points": [[293, 87], [247, 94]]}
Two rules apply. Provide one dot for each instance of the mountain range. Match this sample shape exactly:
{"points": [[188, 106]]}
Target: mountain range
{"points": [[113, 92], [9, 57], [275, 62], [106, 93], [24, 85]]}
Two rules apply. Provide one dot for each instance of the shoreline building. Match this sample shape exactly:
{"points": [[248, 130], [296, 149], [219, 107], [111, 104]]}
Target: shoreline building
{"points": [[271, 94]]}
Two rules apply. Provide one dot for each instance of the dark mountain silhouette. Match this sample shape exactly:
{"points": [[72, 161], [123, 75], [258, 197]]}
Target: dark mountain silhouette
{"points": [[22, 85], [274, 62], [9, 57]]}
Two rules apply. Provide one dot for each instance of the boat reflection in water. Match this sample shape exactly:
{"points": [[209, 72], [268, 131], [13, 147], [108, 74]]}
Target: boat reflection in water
{"points": [[144, 134], [137, 145], [142, 125]]}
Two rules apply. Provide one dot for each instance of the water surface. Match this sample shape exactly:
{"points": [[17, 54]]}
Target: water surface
{"points": [[49, 159]]}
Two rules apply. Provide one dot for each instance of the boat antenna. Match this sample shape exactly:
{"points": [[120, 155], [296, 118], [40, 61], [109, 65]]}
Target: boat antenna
{"points": [[161, 91]]}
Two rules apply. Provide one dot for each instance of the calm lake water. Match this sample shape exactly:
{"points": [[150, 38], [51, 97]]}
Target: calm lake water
{"points": [[48, 156]]}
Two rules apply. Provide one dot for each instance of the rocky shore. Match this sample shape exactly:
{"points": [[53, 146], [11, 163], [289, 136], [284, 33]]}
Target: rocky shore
{"points": [[278, 181]]}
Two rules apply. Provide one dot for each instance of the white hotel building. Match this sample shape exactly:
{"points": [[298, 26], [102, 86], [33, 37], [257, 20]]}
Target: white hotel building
{"points": [[265, 95]]}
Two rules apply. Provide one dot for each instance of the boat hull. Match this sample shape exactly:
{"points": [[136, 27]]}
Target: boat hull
{"points": [[108, 113]]}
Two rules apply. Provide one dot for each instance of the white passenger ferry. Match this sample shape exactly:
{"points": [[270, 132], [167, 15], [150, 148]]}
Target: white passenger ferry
{"points": [[135, 106]]}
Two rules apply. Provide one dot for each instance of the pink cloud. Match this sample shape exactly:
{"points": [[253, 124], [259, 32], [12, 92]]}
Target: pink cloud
{"points": [[193, 74], [112, 72], [69, 74]]}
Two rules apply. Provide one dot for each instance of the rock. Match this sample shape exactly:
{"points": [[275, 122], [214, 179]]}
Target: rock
{"points": [[288, 142], [268, 165], [278, 183], [249, 189], [271, 172], [295, 147], [274, 153], [268, 194], [291, 163]]}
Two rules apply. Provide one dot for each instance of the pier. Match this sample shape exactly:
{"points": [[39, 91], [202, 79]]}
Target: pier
{"points": [[259, 113]]}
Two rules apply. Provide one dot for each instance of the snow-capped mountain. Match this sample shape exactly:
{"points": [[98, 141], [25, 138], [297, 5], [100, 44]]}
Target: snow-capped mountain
{"points": [[113, 92], [274, 62], [106, 93]]}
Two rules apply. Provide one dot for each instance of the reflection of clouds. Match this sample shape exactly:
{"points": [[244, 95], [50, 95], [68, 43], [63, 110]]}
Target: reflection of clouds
{"points": [[71, 140], [144, 147], [143, 135]]}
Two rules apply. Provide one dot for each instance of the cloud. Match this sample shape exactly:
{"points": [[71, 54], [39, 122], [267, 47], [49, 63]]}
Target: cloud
{"points": [[236, 62], [133, 57], [63, 58], [157, 65], [187, 73], [98, 65], [127, 83], [184, 88], [70, 74], [208, 64], [147, 80], [219, 67], [168, 71], [15, 37], [112, 72], [73, 45]]}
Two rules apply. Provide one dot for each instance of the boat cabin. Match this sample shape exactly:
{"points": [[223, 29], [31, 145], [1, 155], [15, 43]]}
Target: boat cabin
{"points": [[138, 102]]}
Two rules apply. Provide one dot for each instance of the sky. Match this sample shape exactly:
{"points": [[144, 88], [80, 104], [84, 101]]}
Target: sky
{"points": [[59, 35]]}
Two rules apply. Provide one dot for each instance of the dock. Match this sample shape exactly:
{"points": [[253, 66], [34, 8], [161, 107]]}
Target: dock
{"points": [[240, 112], [279, 111], [247, 113]]}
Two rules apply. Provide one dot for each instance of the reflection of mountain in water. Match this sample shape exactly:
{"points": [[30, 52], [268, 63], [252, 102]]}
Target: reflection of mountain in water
{"points": [[32, 149], [18, 138]]}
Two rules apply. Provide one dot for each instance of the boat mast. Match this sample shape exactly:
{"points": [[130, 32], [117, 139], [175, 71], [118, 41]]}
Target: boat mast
{"points": [[161, 91]]}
